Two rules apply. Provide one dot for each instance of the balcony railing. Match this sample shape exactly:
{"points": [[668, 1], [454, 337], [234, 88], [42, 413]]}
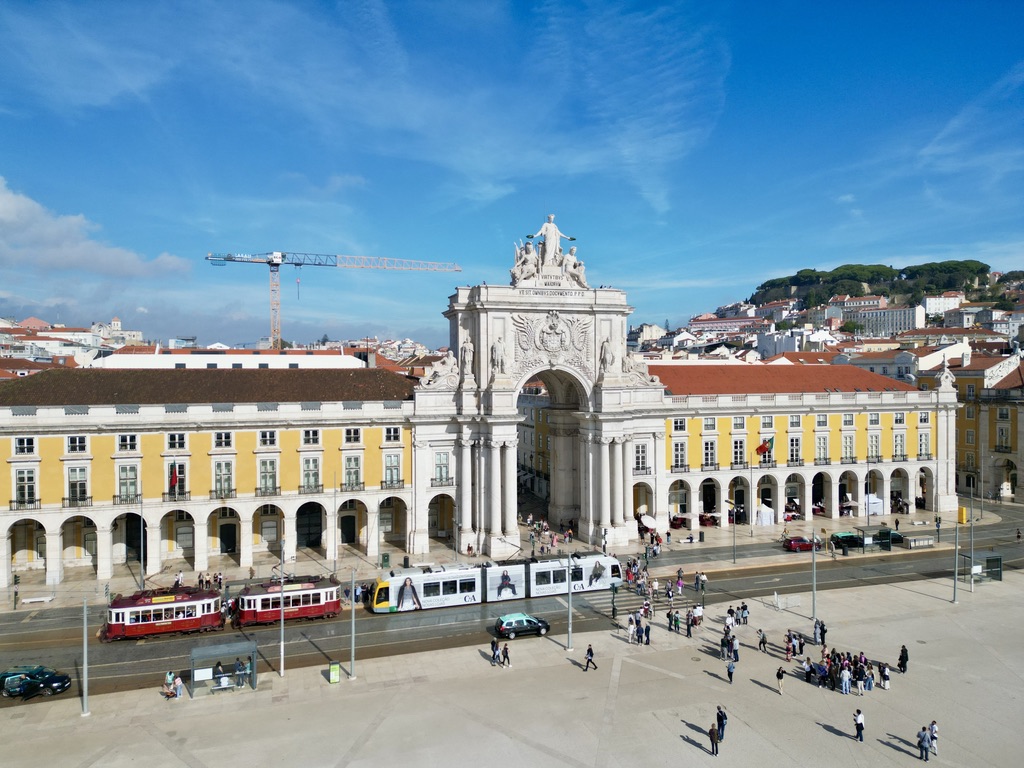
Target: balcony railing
{"points": [[709, 467], [178, 496], [76, 501], [223, 493], [352, 486], [269, 490], [875, 458], [392, 485], [924, 457], [849, 460], [127, 499], [795, 462], [739, 465], [641, 470], [680, 467], [441, 482], [1003, 449], [822, 462], [24, 504], [311, 488], [768, 464], [899, 457]]}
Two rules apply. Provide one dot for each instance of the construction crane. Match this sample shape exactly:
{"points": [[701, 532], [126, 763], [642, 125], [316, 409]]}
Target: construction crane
{"points": [[275, 259]]}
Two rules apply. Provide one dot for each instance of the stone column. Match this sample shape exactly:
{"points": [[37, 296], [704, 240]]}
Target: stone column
{"points": [[245, 540], [154, 557], [883, 494], [494, 489], [331, 532], [509, 488], [417, 537], [201, 543], [657, 475], [290, 534], [806, 506], [373, 534], [832, 505], [5, 559], [604, 501], [612, 483], [465, 494], [626, 507], [586, 479], [104, 553], [721, 507]]}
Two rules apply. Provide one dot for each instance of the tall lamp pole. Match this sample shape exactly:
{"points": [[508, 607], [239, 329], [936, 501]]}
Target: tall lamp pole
{"points": [[568, 584], [281, 601]]}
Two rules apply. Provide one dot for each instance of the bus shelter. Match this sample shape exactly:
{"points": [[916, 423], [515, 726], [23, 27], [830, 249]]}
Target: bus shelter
{"points": [[981, 565], [204, 661], [876, 535]]}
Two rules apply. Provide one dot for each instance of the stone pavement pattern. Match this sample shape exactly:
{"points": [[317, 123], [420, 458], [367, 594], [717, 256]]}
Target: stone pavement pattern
{"points": [[647, 706]]}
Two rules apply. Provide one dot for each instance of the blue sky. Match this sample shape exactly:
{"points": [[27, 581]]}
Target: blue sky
{"points": [[693, 149]]}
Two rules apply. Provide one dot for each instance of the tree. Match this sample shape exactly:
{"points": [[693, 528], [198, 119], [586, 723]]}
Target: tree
{"points": [[851, 327], [324, 339]]}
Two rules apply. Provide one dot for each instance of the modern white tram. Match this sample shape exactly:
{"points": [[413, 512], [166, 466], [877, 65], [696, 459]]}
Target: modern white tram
{"points": [[413, 589]]}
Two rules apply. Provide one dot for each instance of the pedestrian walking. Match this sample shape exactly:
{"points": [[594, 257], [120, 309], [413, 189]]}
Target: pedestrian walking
{"points": [[824, 630], [933, 731], [505, 660], [722, 721], [590, 658], [924, 743], [779, 675], [817, 632], [735, 648], [762, 641], [647, 634], [730, 668], [630, 630], [1018, 535], [696, 581], [744, 613], [858, 724], [904, 659], [495, 653], [689, 623], [713, 735], [883, 673]]}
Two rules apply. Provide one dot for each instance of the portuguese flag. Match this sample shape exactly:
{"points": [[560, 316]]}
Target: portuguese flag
{"points": [[766, 447]]}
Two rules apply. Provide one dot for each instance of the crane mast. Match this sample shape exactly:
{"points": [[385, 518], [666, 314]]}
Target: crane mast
{"points": [[275, 259]]}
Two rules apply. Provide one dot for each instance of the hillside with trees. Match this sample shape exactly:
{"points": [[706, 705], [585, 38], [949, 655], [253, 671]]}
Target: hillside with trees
{"points": [[908, 285]]}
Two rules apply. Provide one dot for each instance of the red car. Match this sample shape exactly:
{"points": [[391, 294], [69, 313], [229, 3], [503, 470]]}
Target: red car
{"points": [[800, 544]]}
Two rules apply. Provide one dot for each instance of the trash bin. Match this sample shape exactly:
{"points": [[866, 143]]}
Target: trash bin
{"points": [[700, 536], [405, 562], [335, 672], [846, 550], [385, 560]]}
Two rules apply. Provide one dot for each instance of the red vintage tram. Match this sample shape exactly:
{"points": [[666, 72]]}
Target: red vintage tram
{"points": [[305, 597], [162, 611]]}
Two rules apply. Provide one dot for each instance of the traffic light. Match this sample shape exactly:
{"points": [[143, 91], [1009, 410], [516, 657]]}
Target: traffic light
{"points": [[17, 579]]}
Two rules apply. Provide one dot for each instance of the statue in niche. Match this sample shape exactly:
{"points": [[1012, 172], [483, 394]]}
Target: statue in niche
{"points": [[551, 246], [498, 357], [607, 356], [466, 357], [574, 269], [443, 372]]}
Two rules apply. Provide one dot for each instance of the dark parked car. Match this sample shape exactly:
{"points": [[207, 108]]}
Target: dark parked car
{"points": [[800, 544], [851, 540], [893, 536], [520, 624], [26, 682]]}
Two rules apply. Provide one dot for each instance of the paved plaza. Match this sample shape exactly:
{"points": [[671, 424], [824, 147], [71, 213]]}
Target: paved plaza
{"points": [[646, 705]]}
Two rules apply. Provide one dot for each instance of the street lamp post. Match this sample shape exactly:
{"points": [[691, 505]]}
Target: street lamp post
{"points": [[352, 632], [568, 584], [281, 602]]}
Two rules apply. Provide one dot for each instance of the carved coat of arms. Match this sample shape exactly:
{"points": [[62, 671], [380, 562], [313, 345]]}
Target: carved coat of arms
{"points": [[552, 340]]}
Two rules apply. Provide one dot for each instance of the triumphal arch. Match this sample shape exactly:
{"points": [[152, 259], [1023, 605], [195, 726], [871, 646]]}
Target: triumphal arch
{"points": [[549, 324]]}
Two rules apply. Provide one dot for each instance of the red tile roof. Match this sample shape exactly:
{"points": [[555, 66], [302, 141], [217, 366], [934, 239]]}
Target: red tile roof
{"points": [[97, 386], [771, 379]]}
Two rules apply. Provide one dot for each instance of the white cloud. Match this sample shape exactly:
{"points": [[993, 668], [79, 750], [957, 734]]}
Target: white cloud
{"points": [[34, 239]]}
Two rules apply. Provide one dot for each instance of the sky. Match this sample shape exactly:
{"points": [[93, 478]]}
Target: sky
{"points": [[693, 149]]}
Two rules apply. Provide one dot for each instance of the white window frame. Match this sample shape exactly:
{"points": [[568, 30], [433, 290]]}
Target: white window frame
{"points": [[223, 440], [175, 441], [24, 446], [77, 444], [268, 438], [767, 422], [127, 443], [311, 437]]}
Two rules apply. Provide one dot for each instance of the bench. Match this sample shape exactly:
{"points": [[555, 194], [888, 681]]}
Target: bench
{"points": [[229, 686], [26, 600]]}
